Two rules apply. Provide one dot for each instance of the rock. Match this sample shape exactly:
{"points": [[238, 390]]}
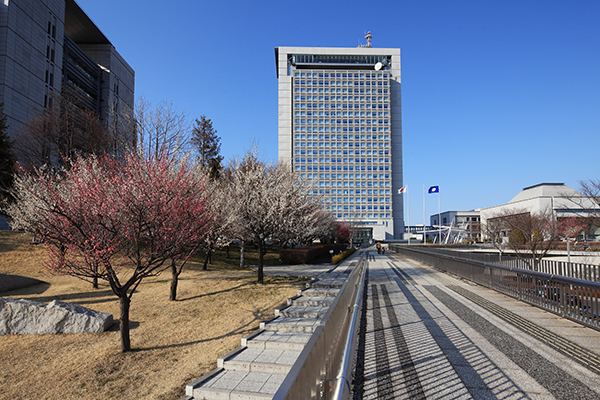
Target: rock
{"points": [[18, 316]]}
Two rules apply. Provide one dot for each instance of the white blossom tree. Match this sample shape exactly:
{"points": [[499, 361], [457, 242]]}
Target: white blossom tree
{"points": [[271, 204], [223, 227]]}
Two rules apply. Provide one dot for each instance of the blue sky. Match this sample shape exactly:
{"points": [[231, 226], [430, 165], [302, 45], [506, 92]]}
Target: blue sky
{"points": [[496, 95]]}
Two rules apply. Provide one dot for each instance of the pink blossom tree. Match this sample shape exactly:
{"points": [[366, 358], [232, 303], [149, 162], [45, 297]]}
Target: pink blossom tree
{"points": [[119, 221], [572, 227]]}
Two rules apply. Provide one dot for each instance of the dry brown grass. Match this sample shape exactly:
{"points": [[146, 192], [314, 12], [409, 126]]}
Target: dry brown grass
{"points": [[173, 342]]}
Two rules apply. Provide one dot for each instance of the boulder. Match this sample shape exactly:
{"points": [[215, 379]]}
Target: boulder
{"points": [[18, 316]]}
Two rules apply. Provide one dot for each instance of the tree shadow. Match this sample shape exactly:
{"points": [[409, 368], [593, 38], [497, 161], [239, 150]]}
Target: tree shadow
{"points": [[81, 298], [34, 289], [240, 330], [217, 292], [116, 325]]}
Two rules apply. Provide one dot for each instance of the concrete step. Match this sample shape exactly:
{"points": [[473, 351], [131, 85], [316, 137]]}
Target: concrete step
{"points": [[292, 324], [328, 284], [319, 292], [302, 311], [276, 340], [316, 301], [270, 361], [239, 385]]}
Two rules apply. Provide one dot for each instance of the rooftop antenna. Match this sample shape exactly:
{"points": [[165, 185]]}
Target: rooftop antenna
{"points": [[368, 36]]}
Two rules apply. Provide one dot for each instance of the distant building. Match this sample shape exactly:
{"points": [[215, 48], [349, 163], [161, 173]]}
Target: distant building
{"points": [[340, 127], [562, 201], [462, 226], [47, 46]]}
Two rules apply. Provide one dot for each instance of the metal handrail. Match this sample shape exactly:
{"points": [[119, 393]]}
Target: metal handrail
{"points": [[313, 374], [343, 389], [572, 298]]}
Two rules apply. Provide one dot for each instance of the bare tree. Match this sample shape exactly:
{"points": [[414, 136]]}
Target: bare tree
{"points": [[161, 130], [59, 133], [7, 159], [531, 235]]}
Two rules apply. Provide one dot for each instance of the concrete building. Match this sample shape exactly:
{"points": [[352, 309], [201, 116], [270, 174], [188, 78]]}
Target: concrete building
{"points": [[555, 198], [340, 127], [459, 225], [48, 46]]}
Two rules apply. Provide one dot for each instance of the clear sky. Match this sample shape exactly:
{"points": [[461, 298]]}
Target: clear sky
{"points": [[497, 95]]}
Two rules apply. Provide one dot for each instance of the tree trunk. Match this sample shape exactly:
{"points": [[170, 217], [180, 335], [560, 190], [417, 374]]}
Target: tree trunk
{"points": [[260, 260], [206, 260], [227, 250], [124, 302], [174, 281], [242, 248], [95, 278]]}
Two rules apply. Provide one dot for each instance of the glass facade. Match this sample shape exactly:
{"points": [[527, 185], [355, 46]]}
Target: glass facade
{"points": [[341, 125], [340, 129]]}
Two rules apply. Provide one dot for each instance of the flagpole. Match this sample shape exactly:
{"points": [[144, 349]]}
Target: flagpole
{"points": [[408, 212], [439, 219], [424, 235]]}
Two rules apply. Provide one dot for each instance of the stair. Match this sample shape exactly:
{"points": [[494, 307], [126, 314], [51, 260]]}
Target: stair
{"points": [[257, 368]]}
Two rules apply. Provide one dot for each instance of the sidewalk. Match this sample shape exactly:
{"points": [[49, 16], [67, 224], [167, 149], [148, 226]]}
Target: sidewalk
{"points": [[431, 335]]}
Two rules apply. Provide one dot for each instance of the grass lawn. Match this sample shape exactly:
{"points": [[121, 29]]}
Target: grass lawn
{"points": [[173, 342]]}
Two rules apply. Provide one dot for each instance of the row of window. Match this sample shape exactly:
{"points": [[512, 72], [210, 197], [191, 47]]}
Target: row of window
{"points": [[341, 98], [326, 106], [343, 137], [299, 146], [350, 176], [348, 184], [341, 83], [342, 168], [345, 160], [358, 207], [345, 106], [341, 121], [341, 106], [340, 129], [327, 91], [360, 199], [363, 215], [345, 152], [341, 114], [339, 75]]}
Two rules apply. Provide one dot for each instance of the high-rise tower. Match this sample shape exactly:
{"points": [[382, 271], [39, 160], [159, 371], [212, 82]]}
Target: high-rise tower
{"points": [[340, 127]]}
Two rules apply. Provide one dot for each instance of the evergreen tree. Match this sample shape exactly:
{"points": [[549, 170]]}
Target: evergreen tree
{"points": [[7, 158], [205, 140]]}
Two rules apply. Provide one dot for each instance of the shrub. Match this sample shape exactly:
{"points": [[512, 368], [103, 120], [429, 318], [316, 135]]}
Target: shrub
{"points": [[338, 258], [516, 236]]}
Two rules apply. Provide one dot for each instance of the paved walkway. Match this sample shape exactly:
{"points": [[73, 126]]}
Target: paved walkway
{"points": [[432, 336], [303, 270]]}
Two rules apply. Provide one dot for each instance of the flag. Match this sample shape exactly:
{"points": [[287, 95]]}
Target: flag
{"points": [[434, 189], [402, 189]]}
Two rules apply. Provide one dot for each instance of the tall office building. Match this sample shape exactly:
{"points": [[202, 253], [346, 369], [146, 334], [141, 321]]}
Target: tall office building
{"points": [[49, 46], [340, 127]]}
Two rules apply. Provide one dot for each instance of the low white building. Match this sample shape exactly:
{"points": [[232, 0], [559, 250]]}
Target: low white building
{"points": [[561, 200]]}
